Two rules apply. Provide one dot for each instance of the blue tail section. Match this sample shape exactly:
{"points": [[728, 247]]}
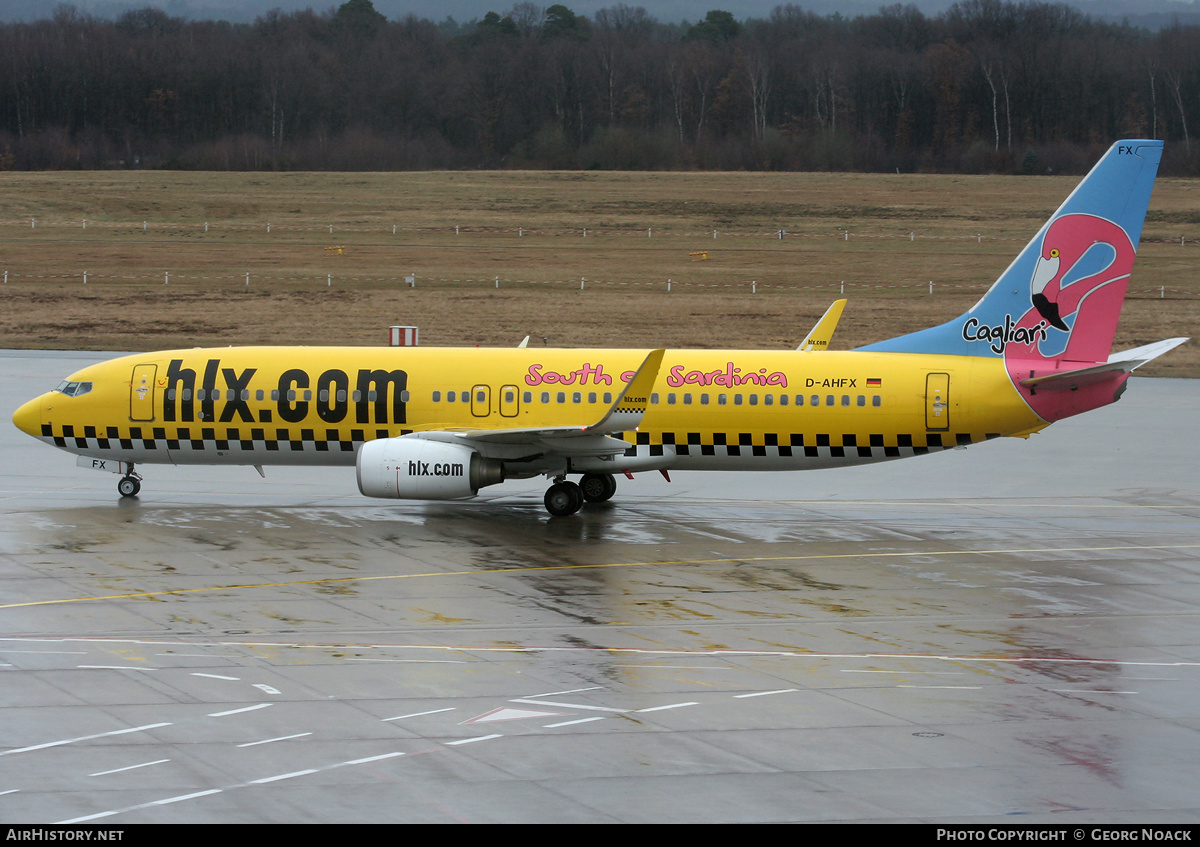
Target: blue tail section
{"points": [[1061, 297]]}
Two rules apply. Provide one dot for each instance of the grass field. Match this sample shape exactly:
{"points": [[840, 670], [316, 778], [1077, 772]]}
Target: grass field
{"points": [[579, 258]]}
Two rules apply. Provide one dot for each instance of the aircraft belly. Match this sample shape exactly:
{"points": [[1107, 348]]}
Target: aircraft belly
{"points": [[236, 455]]}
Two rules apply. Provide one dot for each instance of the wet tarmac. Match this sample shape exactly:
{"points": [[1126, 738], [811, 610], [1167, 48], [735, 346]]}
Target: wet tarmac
{"points": [[1004, 634]]}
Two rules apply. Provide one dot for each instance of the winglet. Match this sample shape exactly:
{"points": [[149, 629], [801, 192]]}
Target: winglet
{"points": [[627, 410], [819, 336]]}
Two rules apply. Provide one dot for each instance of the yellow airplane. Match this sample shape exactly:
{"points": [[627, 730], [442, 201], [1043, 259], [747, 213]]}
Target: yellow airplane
{"points": [[428, 423]]}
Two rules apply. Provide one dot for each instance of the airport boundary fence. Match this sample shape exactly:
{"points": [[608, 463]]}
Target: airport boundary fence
{"points": [[250, 279]]}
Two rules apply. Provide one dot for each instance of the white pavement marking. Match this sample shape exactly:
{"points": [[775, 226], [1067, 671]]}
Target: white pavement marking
{"points": [[568, 705], [148, 726], [670, 706], [419, 714], [278, 777], [239, 711], [472, 740], [130, 767], [270, 740]]}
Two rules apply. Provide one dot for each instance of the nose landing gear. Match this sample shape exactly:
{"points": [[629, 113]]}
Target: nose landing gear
{"points": [[130, 484]]}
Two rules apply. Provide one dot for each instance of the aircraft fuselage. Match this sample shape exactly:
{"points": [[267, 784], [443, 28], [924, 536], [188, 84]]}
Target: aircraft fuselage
{"points": [[720, 409]]}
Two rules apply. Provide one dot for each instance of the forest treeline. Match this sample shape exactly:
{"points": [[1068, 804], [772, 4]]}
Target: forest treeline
{"points": [[987, 86]]}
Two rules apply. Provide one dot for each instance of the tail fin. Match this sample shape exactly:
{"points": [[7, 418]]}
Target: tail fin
{"points": [[1058, 303]]}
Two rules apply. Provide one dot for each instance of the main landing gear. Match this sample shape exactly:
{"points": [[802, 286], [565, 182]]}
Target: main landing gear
{"points": [[566, 498], [130, 484]]}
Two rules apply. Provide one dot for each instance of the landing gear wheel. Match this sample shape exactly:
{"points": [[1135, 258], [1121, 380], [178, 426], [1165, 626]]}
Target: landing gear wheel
{"points": [[598, 487], [129, 486], [563, 498]]}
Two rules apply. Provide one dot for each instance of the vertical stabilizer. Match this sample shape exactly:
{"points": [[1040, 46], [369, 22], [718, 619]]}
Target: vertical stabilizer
{"points": [[1059, 301]]}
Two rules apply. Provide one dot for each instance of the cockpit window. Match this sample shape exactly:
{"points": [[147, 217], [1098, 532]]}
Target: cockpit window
{"points": [[73, 389]]}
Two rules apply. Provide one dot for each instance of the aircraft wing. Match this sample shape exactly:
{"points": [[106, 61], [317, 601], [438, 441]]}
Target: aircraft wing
{"points": [[1126, 361], [819, 336], [624, 415]]}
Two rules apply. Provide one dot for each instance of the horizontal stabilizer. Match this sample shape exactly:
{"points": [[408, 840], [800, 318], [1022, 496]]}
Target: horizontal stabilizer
{"points": [[1146, 352], [1126, 361]]}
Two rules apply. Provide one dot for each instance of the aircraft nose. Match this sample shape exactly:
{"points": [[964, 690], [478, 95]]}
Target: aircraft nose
{"points": [[28, 418]]}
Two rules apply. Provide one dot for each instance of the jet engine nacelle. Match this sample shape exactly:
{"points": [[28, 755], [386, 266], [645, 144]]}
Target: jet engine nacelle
{"points": [[418, 469]]}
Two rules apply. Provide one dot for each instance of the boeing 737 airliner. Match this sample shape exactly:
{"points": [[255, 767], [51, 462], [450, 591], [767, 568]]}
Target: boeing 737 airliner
{"points": [[435, 424]]}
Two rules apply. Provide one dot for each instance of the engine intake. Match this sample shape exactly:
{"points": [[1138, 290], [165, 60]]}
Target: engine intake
{"points": [[410, 468]]}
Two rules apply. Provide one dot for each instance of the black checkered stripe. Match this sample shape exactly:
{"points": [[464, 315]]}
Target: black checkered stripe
{"points": [[214, 438], [796, 444]]}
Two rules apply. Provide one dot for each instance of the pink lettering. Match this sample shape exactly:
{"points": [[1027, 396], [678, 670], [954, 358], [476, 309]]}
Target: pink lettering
{"points": [[587, 373], [730, 377]]}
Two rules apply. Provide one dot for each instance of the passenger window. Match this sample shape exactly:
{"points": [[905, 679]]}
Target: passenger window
{"points": [[577, 397], [528, 396], [437, 396], [450, 396], [876, 400], [654, 399], [545, 396], [687, 399], [862, 401]]}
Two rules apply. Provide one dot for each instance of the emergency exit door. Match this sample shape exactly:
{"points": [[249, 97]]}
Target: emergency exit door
{"points": [[481, 401], [937, 402], [509, 403], [141, 393]]}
